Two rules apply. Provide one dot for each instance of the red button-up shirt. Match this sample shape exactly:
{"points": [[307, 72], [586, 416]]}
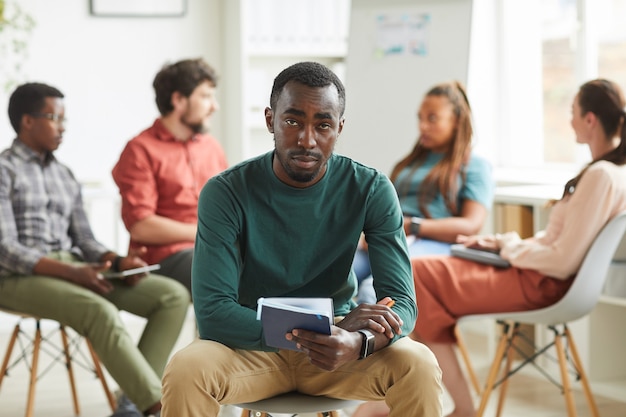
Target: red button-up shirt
{"points": [[159, 175]]}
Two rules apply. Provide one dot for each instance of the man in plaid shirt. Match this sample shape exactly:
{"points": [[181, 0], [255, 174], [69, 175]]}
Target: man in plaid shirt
{"points": [[52, 267]]}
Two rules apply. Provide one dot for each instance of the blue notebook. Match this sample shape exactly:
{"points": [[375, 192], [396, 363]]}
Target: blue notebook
{"points": [[280, 315]]}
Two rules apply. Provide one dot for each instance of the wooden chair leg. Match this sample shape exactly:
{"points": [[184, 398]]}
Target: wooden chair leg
{"points": [[466, 360], [30, 402], [100, 375], [581, 372], [68, 365], [567, 389], [36, 349], [505, 380], [7, 355], [493, 371]]}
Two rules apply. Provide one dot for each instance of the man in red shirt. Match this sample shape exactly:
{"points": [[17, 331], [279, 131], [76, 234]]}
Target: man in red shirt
{"points": [[161, 171]]}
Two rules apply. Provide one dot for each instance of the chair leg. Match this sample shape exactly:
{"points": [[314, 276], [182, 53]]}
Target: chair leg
{"points": [[7, 355], [466, 360], [505, 380], [100, 375], [493, 371], [30, 403], [68, 365], [581, 372], [567, 389]]}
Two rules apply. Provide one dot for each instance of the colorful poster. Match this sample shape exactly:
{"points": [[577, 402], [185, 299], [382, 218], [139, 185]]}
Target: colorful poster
{"points": [[402, 34]]}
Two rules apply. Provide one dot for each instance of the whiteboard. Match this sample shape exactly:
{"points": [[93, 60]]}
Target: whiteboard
{"points": [[397, 50]]}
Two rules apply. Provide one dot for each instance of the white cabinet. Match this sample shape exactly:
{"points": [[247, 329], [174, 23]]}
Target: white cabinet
{"points": [[103, 207], [261, 38], [605, 347]]}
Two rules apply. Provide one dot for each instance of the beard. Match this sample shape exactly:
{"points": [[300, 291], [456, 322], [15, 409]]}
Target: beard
{"points": [[195, 126], [297, 175]]}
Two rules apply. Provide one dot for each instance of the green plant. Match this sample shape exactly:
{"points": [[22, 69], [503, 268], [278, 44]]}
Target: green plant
{"points": [[16, 26]]}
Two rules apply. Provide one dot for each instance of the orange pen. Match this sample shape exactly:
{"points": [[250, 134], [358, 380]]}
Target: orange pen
{"points": [[391, 303]]}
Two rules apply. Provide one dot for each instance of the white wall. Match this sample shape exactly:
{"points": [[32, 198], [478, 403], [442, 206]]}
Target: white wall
{"points": [[105, 68], [384, 91]]}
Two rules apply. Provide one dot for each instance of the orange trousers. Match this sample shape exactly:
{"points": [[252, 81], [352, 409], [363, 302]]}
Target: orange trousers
{"points": [[448, 288]]}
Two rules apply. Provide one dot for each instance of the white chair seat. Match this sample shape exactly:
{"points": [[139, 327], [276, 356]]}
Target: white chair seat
{"points": [[297, 403]]}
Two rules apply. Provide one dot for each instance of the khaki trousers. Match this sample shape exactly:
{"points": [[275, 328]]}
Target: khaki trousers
{"points": [[136, 368], [206, 374]]}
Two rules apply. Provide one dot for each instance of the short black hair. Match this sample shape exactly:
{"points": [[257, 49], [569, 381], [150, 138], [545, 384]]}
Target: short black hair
{"points": [[183, 76], [312, 74], [29, 98]]}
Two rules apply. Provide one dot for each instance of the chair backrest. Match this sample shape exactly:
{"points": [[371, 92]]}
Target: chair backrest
{"points": [[586, 289]]}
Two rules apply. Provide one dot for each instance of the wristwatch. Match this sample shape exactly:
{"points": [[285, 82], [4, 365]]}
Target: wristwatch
{"points": [[414, 228], [367, 347]]}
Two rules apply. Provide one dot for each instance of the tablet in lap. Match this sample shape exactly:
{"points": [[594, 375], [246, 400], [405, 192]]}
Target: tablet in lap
{"points": [[129, 272], [484, 256]]}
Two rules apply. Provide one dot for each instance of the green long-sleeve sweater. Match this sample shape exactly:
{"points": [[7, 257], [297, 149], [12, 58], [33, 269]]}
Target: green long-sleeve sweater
{"points": [[258, 237]]}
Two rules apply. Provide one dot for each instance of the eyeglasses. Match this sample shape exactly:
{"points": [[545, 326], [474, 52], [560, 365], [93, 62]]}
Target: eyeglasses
{"points": [[55, 117]]}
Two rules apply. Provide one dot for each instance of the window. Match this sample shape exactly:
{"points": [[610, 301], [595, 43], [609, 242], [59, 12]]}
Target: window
{"points": [[559, 81], [611, 18], [527, 61], [581, 40]]}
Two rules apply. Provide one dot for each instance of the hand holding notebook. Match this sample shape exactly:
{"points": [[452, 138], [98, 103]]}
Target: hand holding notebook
{"points": [[280, 315]]}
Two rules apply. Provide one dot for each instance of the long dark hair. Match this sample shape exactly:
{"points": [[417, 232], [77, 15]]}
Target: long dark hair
{"points": [[605, 99], [443, 178]]}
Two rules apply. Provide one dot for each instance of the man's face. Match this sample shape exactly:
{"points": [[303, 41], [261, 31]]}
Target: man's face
{"points": [[43, 131], [306, 124], [199, 107]]}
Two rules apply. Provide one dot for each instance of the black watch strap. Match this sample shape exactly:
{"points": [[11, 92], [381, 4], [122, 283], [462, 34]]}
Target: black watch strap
{"points": [[115, 265], [367, 346]]}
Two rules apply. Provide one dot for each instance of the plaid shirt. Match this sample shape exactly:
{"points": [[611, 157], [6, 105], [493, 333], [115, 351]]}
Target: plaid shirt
{"points": [[41, 211]]}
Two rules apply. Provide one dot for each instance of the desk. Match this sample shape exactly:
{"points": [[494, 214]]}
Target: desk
{"points": [[601, 336]]}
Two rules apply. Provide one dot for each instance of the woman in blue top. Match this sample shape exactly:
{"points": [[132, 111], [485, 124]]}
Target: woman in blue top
{"points": [[444, 189]]}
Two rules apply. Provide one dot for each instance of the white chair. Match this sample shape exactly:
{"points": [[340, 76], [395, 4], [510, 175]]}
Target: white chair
{"points": [[579, 300], [296, 403], [66, 354]]}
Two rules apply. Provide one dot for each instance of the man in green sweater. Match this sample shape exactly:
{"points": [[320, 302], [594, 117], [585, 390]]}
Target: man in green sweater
{"points": [[287, 223]]}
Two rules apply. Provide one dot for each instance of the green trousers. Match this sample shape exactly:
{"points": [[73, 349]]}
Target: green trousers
{"points": [[206, 374], [136, 368]]}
